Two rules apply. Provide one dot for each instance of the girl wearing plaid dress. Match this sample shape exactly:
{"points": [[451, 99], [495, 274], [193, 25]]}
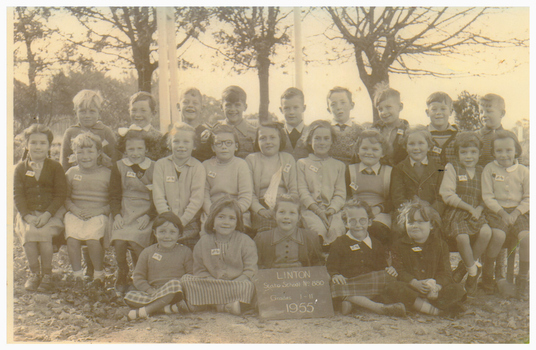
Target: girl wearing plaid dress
{"points": [[274, 173], [505, 191], [39, 194], [357, 264], [461, 190], [321, 184], [159, 269], [225, 260]]}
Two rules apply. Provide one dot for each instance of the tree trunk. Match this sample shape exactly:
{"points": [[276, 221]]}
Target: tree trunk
{"points": [[263, 70], [378, 74], [32, 73], [145, 72]]}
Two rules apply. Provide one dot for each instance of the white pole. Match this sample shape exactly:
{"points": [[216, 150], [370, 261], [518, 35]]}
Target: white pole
{"points": [[173, 66], [163, 70], [298, 56]]}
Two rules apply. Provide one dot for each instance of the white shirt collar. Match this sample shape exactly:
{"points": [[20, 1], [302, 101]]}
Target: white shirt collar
{"points": [[375, 167], [424, 161], [300, 127], [349, 122], [433, 128], [367, 239], [144, 165], [510, 168]]}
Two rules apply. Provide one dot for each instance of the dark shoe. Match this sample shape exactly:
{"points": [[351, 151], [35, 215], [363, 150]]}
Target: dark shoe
{"points": [[32, 283], [47, 283], [506, 289], [120, 284], [397, 310], [454, 310], [471, 282], [459, 273], [97, 284], [346, 307], [522, 288], [488, 285]]}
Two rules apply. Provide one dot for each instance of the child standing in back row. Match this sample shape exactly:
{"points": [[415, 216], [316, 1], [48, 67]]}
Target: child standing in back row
{"points": [[293, 106], [234, 105], [346, 131], [492, 110], [39, 194]]}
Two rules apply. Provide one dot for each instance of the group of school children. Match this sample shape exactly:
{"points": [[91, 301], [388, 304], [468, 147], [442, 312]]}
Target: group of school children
{"points": [[204, 206]]}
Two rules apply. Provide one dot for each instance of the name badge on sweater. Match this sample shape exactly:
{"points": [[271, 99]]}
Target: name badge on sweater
{"points": [[157, 256], [30, 173], [77, 177], [171, 179], [313, 168], [417, 249], [131, 174], [353, 186], [286, 169], [499, 178], [355, 247], [215, 251], [437, 150], [462, 177], [211, 174], [149, 187], [400, 131]]}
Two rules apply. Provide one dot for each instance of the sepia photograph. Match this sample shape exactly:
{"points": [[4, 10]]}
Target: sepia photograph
{"points": [[268, 174]]}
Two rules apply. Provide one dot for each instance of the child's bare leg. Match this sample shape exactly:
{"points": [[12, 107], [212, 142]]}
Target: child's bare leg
{"points": [[46, 251], [97, 255], [75, 254], [466, 252], [482, 241], [135, 252], [524, 245], [366, 303], [121, 257], [496, 242], [523, 274], [151, 308], [32, 255]]}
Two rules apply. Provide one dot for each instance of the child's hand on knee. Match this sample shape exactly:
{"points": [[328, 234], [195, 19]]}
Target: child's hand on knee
{"points": [[391, 271], [43, 219], [338, 279], [513, 216], [143, 221], [31, 219], [420, 286], [118, 222]]}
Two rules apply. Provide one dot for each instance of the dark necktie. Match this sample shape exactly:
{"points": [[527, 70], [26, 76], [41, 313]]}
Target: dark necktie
{"points": [[419, 169], [368, 171], [294, 136], [139, 171], [342, 127]]}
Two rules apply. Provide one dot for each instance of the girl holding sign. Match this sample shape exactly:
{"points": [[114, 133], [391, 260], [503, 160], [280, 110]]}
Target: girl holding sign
{"points": [[274, 173]]}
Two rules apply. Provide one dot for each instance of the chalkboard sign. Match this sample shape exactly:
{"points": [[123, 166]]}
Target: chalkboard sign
{"points": [[298, 292]]}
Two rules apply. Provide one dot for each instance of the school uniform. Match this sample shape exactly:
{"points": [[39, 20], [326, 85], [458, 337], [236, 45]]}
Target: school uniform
{"points": [[216, 265], [68, 158], [363, 263], [407, 183], [131, 196], [344, 145], [296, 141], [321, 182], [268, 186], [397, 149], [443, 151], [458, 186], [487, 135], [277, 250], [423, 261], [246, 133], [160, 269], [35, 195]]}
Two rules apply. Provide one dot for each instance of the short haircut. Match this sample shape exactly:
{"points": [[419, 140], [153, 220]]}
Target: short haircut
{"points": [[292, 92], [224, 129], [38, 129], [179, 126], [143, 96], [505, 134], [192, 91], [86, 140], [168, 216], [493, 99], [132, 135], [312, 128], [383, 93], [84, 98], [355, 204], [440, 97], [287, 198], [280, 131], [416, 205], [375, 136], [216, 207], [419, 129], [234, 94], [467, 139], [339, 89]]}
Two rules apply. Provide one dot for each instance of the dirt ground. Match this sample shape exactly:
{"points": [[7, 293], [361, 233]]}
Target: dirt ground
{"points": [[78, 316]]}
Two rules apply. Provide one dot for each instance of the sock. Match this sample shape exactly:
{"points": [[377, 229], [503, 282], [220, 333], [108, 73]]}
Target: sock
{"points": [[472, 270], [78, 274], [524, 269], [139, 313], [171, 309], [98, 275], [425, 307]]}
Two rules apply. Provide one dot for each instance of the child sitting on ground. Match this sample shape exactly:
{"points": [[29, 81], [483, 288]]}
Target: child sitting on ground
{"points": [[288, 245], [274, 173], [39, 193], [131, 203], [158, 271], [357, 264]]}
